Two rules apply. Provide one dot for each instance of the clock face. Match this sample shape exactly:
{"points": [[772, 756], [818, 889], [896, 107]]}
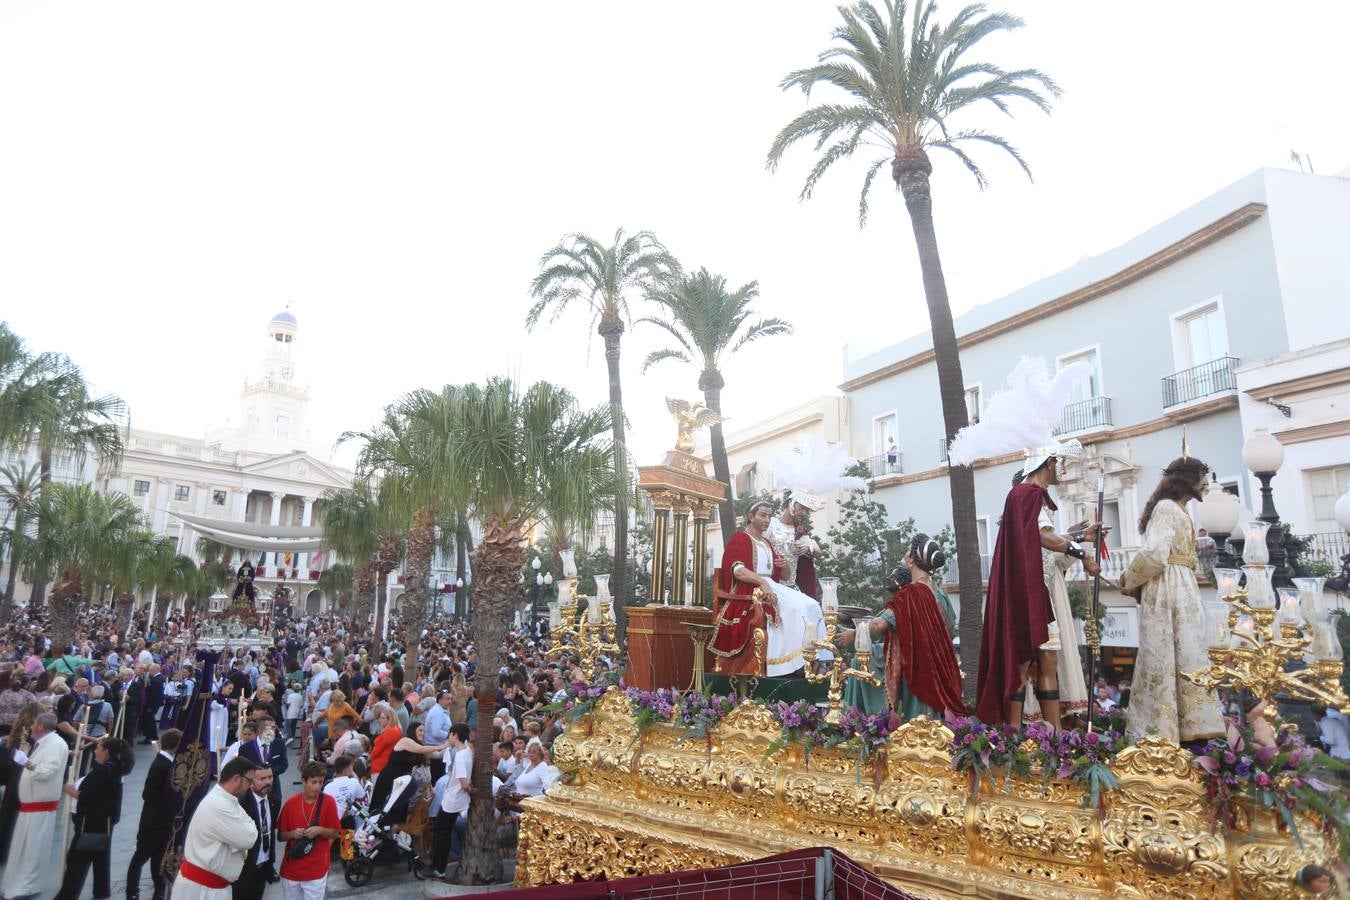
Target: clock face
{"points": [[287, 372]]}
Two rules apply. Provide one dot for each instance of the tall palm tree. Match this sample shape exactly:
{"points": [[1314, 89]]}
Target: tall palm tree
{"points": [[605, 277], [359, 529], [181, 578], [336, 582], [19, 494], [509, 457], [708, 322], [906, 77], [81, 536], [217, 571]]}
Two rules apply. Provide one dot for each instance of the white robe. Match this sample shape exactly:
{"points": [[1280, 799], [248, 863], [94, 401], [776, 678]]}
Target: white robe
{"points": [[30, 848], [218, 837], [799, 620], [218, 739]]}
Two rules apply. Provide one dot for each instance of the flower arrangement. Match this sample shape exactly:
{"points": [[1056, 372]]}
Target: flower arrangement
{"points": [[652, 706], [979, 748], [581, 698], [698, 713], [1082, 756], [803, 722]]}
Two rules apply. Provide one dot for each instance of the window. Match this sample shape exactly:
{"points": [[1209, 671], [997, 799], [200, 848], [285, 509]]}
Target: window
{"points": [[1327, 486], [747, 481], [218, 498], [283, 426], [1203, 336], [973, 404], [140, 488], [181, 492], [280, 337], [1089, 386], [885, 434]]}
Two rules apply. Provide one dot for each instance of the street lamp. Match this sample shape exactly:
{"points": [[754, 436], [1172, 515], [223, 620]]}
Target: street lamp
{"points": [[1341, 582], [534, 564], [1218, 514], [548, 578], [1264, 455]]}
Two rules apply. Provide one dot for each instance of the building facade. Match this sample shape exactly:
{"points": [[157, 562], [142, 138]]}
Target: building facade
{"points": [[1171, 325]]}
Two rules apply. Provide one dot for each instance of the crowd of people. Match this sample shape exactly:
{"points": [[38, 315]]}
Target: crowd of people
{"points": [[359, 729]]}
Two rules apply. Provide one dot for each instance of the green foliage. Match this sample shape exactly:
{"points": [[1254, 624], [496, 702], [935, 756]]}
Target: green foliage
{"points": [[863, 548], [741, 505]]}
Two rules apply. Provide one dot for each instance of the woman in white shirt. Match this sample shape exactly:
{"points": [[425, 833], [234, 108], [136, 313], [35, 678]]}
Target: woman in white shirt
{"points": [[535, 778]]}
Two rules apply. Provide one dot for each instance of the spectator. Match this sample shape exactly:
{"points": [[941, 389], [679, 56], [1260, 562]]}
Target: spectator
{"points": [[219, 834], [156, 822], [345, 788], [99, 804], [311, 816], [455, 801]]}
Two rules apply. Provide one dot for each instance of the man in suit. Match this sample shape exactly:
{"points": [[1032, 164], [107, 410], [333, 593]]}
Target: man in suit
{"points": [[268, 749], [260, 863], [154, 699], [133, 692], [156, 825]]}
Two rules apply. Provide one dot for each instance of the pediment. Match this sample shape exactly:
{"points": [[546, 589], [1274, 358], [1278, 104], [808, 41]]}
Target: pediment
{"points": [[299, 466]]}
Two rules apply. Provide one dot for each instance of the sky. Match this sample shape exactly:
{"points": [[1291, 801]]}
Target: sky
{"points": [[172, 174]]}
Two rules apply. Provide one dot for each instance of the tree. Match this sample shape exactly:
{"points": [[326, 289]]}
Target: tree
{"points": [[217, 570], [906, 78], [358, 528], [510, 456], [706, 323], [336, 583], [19, 494], [81, 536], [604, 277]]}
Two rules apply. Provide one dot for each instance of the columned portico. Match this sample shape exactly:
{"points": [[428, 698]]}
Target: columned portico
{"points": [[306, 519], [275, 519]]}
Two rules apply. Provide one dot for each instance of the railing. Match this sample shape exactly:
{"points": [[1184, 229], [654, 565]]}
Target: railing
{"points": [[1113, 566], [1094, 412], [942, 450], [1327, 547], [1204, 380], [883, 464]]}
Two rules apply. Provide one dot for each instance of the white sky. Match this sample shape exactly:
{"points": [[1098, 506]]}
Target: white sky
{"points": [[171, 174]]}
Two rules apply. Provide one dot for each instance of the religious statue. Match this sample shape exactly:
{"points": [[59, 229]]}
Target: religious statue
{"points": [[244, 591], [688, 417]]}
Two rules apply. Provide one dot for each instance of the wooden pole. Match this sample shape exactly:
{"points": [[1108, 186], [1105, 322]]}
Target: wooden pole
{"points": [[71, 768]]}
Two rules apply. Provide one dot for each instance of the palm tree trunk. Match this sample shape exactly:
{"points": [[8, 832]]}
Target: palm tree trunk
{"points": [[612, 330], [421, 546], [363, 582], [64, 610], [497, 562], [386, 552], [39, 594], [15, 556], [711, 384], [911, 171], [462, 540], [122, 605]]}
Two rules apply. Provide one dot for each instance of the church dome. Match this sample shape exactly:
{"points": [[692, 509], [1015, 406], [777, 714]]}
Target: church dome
{"points": [[284, 317]]}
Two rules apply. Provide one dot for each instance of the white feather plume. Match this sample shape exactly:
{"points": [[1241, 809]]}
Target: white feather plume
{"points": [[1025, 414], [816, 467]]}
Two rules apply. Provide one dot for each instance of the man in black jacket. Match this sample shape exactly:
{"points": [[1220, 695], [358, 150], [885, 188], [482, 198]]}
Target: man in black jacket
{"points": [[156, 826], [267, 749], [260, 862], [154, 699]]}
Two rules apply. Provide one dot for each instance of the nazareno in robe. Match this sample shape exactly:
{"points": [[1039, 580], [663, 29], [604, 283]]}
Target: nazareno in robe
{"points": [[919, 651], [736, 614], [1017, 612]]}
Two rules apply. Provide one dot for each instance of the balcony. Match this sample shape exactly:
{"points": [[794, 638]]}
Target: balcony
{"points": [[1094, 412], [883, 464], [1198, 382], [942, 450]]}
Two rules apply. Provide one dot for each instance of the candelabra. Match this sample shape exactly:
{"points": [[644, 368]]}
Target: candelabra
{"points": [[837, 674], [590, 630], [1252, 644]]}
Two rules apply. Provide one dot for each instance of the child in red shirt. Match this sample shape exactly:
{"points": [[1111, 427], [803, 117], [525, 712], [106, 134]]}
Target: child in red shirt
{"points": [[297, 821]]}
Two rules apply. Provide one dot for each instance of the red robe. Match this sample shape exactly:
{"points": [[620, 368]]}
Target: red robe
{"points": [[1017, 612], [919, 650], [807, 582], [737, 615]]}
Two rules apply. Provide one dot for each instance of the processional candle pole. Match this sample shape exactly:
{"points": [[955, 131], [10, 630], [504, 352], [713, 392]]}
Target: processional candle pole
{"points": [[837, 675]]}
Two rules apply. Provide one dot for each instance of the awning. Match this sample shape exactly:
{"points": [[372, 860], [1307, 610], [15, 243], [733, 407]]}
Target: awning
{"points": [[256, 529], [231, 538]]}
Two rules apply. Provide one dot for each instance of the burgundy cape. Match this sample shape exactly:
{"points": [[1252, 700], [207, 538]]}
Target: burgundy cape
{"points": [[807, 582], [737, 615], [919, 650], [1017, 613]]}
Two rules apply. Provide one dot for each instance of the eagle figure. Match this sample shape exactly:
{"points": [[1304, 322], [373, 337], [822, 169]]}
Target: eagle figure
{"points": [[689, 416]]}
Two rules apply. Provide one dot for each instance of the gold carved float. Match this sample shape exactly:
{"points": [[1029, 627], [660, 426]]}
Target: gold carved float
{"points": [[648, 802]]}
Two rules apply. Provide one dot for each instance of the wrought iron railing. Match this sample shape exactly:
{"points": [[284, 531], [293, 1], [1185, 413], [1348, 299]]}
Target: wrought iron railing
{"points": [[942, 450], [1328, 547], [1094, 412], [1197, 382], [883, 464]]}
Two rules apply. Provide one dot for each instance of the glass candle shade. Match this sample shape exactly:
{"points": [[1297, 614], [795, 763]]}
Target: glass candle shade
{"points": [[569, 563], [602, 586], [593, 611], [1290, 602], [1310, 599], [1260, 594], [1254, 551], [862, 637], [554, 616], [1245, 628], [564, 594], [1325, 646], [1216, 624], [829, 594], [1226, 581]]}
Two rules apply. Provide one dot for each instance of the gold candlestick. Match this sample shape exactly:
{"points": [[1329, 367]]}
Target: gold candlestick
{"points": [[837, 675]]}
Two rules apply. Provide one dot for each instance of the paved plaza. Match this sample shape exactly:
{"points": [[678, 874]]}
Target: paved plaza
{"points": [[389, 882]]}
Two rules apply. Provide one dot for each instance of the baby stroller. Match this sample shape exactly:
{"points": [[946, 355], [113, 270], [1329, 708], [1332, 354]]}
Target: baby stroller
{"points": [[375, 842]]}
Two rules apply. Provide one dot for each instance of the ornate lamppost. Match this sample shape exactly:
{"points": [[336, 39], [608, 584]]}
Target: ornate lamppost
{"points": [[1218, 515], [1341, 582], [1264, 455]]}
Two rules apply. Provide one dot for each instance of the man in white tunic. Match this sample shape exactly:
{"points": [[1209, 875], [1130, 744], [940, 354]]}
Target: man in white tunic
{"points": [[40, 785], [218, 837]]}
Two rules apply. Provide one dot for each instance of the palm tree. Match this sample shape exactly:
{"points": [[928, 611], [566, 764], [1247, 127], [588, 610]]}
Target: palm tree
{"points": [[359, 529], [604, 278], [510, 457], [19, 494], [336, 582], [707, 322], [217, 571], [906, 77], [81, 536], [181, 577]]}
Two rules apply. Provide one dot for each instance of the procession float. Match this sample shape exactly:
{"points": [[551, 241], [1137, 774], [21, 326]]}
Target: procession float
{"points": [[663, 774]]}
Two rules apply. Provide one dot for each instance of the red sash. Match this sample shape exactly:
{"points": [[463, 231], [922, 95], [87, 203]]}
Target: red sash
{"points": [[198, 875], [39, 806]]}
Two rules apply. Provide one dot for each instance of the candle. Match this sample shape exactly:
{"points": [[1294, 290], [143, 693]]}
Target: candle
{"points": [[593, 611], [1310, 602], [1226, 580], [564, 594], [829, 594], [1324, 643], [1254, 550], [1245, 628], [569, 563], [602, 586], [554, 616], [862, 638], [1260, 594], [1216, 617]]}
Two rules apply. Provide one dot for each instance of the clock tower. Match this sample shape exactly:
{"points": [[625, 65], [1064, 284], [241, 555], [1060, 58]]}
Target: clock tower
{"points": [[273, 406]]}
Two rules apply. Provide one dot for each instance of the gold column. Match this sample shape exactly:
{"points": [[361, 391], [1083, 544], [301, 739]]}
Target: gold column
{"points": [[701, 509], [661, 501], [679, 551]]}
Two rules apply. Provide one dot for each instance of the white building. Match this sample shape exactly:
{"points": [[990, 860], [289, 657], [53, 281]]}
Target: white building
{"points": [[1195, 322]]}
